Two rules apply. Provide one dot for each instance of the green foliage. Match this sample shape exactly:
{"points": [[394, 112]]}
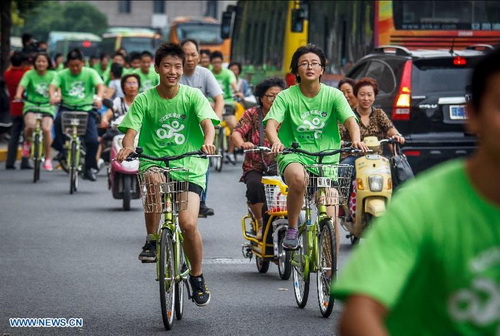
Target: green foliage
{"points": [[68, 16]]}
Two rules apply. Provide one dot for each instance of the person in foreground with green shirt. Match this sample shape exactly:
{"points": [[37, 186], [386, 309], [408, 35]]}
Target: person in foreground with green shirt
{"points": [[431, 264], [173, 119], [308, 114]]}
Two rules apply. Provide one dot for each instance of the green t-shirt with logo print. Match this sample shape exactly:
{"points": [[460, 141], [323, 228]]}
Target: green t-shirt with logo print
{"points": [[170, 127], [310, 122], [36, 88], [433, 259], [78, 91], [149, 80]]}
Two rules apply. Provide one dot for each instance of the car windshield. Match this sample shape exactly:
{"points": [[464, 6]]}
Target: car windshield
{"points": [[204, 33], [140, 44], [438, 75]]}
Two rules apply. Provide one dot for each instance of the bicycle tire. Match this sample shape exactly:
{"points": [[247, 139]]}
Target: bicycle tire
{"points": [[167, 279], [127, 191], [284, 265], [220, 150], [36, 158], [300, 279], [327, 266], [179, 288], [73, 169]]}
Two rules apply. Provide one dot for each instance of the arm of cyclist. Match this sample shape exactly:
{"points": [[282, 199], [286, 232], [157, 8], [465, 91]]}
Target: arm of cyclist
{"points": [[100, 93], [272, 135], [394, 134], [106, 117], [239, 142], [219, 106], [209, 134], [19, 93], [54, 95], [363, 316], [353, 129], [128, 145]]}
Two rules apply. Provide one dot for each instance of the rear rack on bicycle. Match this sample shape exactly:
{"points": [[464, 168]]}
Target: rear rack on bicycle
{"points": [[334, 178], [157, 183], [276, 192], [74, 118]]}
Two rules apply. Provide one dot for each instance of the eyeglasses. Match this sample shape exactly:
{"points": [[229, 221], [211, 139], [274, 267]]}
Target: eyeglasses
{"points": [[131, 84], [307, 65], [270, 97]]}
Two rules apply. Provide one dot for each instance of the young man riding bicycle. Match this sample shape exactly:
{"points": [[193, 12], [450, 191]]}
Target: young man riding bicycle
{"points": [[173, 119]]}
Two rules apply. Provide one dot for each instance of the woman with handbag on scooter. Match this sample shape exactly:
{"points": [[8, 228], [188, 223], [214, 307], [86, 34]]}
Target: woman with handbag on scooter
{"points": [[248, 133]]}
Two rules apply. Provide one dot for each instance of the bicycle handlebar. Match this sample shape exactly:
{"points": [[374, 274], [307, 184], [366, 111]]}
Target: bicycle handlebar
{"points": [[166, 159], [257, 149], [295, 149]]}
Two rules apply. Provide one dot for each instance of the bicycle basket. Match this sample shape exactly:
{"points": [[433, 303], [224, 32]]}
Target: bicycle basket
{"points": [[159, 191], [74, 118], [276, 192], [335, 179]]}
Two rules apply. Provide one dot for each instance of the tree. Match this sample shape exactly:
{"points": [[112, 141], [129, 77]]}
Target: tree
{"points": [[68, 16]]}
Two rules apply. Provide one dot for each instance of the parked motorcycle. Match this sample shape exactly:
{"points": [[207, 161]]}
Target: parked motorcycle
{"points": [[371, 189]]}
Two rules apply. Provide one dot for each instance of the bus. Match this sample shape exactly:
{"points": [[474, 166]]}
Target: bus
{"points": [[131, 39], [266, 33], [204, 30], [62, 42]]}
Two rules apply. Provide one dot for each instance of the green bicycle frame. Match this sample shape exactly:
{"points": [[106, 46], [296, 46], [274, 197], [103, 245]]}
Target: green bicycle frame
{"points": [[39, 146], [74, 139]]}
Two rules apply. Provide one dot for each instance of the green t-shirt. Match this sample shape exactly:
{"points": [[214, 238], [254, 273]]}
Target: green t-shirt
{"points": [[225, 78], [149, 80], [77, 91], [171, 127], [433, 259], [100, 71], [37, 92], [310, 122]]}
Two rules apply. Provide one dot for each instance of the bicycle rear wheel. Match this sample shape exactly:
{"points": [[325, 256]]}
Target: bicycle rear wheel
{"points": [[219, 161], [284, 266], [73, 169], [327, 266], [167, 279], [36, 158], [300, 272], [179, 287]]}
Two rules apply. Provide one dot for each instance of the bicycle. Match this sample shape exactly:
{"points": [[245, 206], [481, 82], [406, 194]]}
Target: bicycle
{"points": [[317, 252], [74, 125], [37, 147], [275, 191], [222, 131], [161, 193]]}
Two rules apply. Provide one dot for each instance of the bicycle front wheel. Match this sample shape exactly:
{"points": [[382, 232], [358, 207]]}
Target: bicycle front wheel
{"points": [[167, 279], [300, 272], [36, 158], [179, 287], [284, 266], [327, 266], [73, 168]]}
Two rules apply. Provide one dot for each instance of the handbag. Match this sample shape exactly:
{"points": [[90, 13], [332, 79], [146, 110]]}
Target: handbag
{"points": [[400, 167]]}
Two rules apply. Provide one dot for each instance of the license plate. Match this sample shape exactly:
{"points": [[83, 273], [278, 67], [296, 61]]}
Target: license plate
{"points": [[457, 112]]}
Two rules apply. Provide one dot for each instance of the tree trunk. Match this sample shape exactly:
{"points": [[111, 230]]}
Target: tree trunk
{"points": [[5, 32]]}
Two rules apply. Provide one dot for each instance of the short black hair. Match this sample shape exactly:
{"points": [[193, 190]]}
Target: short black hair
{"points": [[134, 55], [487, 67], [216, 54], [103, 56], [146, 53], [192, 41], [206, 52], [26, 37], [310, 48], [238, 64], [127, 76], [267, 83], [347, 80], [116, 69], [18, 58], [75, 54], [169, 49]]}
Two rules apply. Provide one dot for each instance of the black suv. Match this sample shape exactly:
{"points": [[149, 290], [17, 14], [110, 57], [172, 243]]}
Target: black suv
{"points": [[423, 92]]}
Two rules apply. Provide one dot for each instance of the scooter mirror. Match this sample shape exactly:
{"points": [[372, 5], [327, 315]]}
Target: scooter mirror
{"points": [[108, 103]]}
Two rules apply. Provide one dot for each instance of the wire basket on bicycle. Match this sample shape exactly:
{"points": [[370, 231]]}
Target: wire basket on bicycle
{"points": [[334, 178], [74, 118], [276, 192], [159, 190]]}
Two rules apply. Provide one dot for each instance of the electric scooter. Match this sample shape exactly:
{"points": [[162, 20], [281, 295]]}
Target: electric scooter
{"points": [[371, 189]]}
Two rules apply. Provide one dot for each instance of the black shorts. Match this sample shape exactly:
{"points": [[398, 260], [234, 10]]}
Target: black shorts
{"points": [[44, 114], [195, 188]]}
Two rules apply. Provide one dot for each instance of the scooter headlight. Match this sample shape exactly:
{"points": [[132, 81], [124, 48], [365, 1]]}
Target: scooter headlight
{"points": [[376, 183]]}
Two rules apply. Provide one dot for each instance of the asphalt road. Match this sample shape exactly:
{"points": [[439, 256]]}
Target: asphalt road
{"points": [[75, 256]]}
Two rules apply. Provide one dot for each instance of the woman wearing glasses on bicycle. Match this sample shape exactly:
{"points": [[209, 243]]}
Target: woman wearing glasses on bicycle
{"points": [[35, 84], [307, 114], [248, 133]]}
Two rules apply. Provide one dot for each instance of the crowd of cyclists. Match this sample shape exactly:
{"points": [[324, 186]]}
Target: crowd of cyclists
{"points": [[173, 101]]}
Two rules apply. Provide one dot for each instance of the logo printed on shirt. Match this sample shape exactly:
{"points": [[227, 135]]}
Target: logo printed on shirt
{"points": [[312, 122], [42, 89], [172, 129], [77, 90]]}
